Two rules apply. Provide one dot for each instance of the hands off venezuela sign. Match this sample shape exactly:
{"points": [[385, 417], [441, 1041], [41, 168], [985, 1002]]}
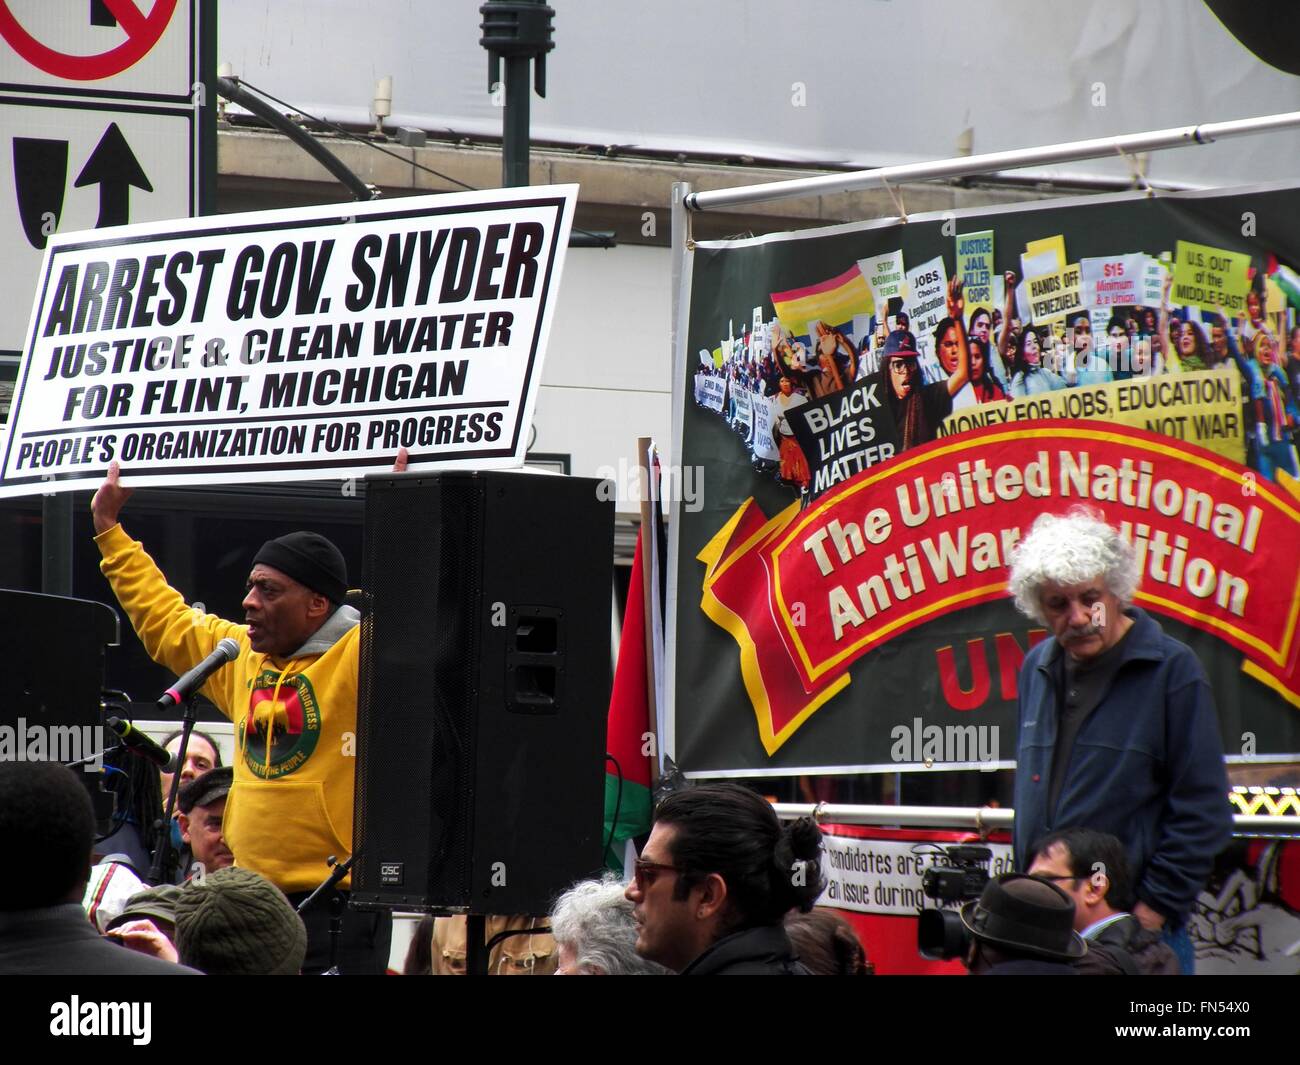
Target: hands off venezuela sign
{"points": [[824, 621]]}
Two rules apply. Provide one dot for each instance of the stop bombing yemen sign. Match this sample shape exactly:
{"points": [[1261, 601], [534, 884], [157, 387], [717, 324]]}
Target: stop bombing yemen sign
{"points": [[312, 342]]}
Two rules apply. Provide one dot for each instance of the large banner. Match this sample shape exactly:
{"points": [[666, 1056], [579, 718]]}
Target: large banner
{"points": [[840, 585], [311, 342]]}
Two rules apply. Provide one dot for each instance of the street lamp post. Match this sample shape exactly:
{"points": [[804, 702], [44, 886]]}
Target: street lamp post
{"points": [[517, 31]]}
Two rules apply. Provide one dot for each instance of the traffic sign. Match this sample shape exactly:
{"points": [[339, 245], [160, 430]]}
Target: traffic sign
{"points": [[133, 54], [142, 31], [104, 115]]}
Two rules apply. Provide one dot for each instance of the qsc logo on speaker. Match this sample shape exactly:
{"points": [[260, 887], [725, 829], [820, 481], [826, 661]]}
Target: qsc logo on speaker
{"points": [[391, 873]]}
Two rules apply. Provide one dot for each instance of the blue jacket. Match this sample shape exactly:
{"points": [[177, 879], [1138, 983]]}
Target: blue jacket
{"points": [[1147, 766]]}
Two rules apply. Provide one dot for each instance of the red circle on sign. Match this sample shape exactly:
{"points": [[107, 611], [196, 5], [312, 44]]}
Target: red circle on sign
{"points": [[143, 32]]}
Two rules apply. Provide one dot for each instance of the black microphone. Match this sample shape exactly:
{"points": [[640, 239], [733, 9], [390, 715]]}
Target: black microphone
{"points": [[227, 650], [139, 743]]}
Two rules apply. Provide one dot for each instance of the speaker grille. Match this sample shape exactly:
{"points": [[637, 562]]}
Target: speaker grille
{"points": [[420, 653], [485, 685]]}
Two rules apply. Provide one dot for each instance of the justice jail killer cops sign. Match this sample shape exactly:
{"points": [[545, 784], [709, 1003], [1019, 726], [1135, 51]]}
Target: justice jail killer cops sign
{"points": [[315, 340]]}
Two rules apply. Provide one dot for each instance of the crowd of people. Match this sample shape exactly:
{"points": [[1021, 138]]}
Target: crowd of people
{"points": [[1120, 799], [721, 888], [984, 354]]}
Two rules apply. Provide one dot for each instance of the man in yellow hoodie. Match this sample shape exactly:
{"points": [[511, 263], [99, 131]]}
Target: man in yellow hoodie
{"points": [[292, 696]]}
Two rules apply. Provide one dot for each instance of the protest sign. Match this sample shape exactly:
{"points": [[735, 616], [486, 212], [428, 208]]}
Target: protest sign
{"points": [[713, 391], [1210, 278], [926, 305], [1202, 408], [844, 434], [764, 447], [1113, 281], [884, 273], [744, 419], [1153, 282], [311, 342], [975, 266], [1055, 295]]}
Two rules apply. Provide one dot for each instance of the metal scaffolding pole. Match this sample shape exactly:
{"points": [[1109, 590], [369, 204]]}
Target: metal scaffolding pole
{"points": [[971, 165], [979, 819]]}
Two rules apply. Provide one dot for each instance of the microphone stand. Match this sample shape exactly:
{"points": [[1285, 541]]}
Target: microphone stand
{"points": [[338, 905], [189, 717]]}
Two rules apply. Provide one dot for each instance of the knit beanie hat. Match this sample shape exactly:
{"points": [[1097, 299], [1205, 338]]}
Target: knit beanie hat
{"points": [[236, 923], [309, 559]]}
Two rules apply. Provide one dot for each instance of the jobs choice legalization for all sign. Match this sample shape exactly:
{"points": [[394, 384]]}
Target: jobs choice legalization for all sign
{"points": [[311, 340]]}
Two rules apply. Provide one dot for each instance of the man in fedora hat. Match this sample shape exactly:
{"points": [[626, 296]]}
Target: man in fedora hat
{"points": [[1022, 926]]}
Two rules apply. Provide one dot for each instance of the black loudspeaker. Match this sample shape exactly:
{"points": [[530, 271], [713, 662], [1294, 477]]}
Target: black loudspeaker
{"points": [[52, 648], [484, 689]]}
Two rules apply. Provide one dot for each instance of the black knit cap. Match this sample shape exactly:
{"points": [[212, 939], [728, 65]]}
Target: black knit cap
{"points": [[309, 559]]}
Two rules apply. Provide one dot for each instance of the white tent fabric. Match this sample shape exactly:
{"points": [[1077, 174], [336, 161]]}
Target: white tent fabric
{"points": [[863, 83]]}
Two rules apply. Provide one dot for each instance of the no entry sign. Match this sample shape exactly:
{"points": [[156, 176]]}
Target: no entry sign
{"points": [[104, 108], [143, 30]]}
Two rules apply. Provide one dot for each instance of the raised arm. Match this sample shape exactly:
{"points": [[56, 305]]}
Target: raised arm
{"points": [[174, 634], [956, 307], [1009, 301], [1160, 342]]}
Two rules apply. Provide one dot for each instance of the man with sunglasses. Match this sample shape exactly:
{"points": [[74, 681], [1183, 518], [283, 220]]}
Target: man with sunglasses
{"points": [[716, 878], [1091, 868]]}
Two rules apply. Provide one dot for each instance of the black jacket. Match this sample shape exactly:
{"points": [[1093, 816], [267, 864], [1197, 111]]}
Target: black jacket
{"points": [[1125, 948], [1146, 766], [764, 951], [58, 941]]}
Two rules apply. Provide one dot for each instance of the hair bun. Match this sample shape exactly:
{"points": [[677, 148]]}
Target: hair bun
{"points": [[797, 857]]}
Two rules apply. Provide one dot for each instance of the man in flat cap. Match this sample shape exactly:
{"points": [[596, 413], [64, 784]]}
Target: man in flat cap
{"points": [[292, 695], [203, 809]]}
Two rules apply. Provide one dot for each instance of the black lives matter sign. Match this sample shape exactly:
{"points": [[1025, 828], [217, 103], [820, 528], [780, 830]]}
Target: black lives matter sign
{"points": [[309, 343], [844, 434]]}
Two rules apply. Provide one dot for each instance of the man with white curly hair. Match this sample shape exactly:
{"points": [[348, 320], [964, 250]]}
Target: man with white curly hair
{"points": [[1118, 730]]}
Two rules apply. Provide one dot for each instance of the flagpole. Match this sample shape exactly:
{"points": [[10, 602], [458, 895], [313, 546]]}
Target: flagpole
{"points": [[647, 586]]}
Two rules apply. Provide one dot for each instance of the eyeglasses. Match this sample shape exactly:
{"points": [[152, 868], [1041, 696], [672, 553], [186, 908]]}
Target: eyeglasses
{"points": [[1053, 879], [646, 873]]}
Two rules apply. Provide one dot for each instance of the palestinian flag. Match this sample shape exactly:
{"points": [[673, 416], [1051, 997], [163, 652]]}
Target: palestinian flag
{"points": [[1285, 278], [628, 803]]}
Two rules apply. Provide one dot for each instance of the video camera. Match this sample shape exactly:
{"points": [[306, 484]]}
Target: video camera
{"points": [[940, 934]]}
